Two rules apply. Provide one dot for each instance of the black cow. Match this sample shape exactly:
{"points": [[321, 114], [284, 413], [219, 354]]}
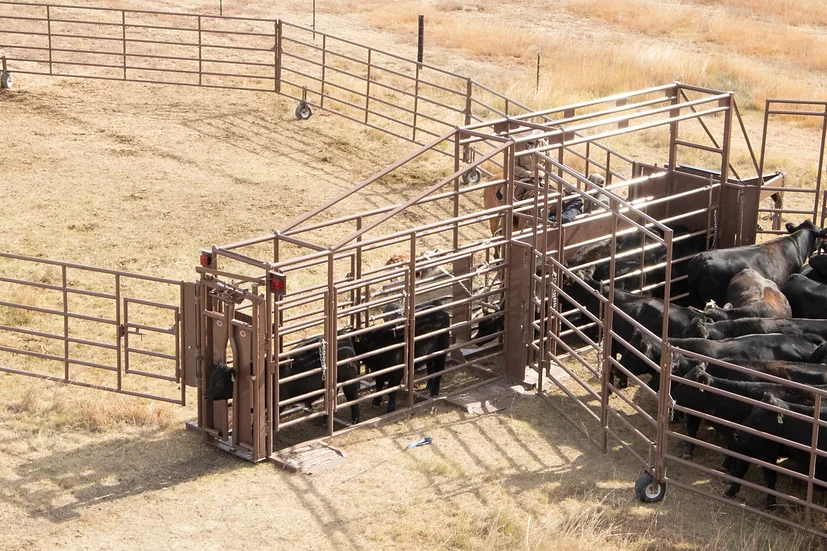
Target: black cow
{"points": [[711, 271], [783, 426], [394, 335], [645, 309], [818, 266], [222, 378], [749, 348], [724, 407], [815, 329], [309, 360], [808, 298], [751, 295], [220, 386]]}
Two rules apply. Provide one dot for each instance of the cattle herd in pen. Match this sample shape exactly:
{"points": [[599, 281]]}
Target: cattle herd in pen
{"points": [[763, 307]]}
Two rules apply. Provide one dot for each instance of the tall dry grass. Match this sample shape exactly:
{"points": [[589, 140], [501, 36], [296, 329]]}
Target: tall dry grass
{"points": [[802, 47], [67, 408], [577, 66]]}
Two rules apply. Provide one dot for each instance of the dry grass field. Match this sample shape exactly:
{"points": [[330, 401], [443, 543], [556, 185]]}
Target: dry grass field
{"points": [[140, 177]]}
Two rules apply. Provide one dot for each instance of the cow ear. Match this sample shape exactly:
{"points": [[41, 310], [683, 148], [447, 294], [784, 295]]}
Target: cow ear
{"points": [[768, 398], [822, 233], [790, 227], [704, 378]]}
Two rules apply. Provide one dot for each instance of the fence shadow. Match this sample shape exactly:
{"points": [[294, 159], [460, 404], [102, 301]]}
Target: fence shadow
{"points": [[60, 486]]}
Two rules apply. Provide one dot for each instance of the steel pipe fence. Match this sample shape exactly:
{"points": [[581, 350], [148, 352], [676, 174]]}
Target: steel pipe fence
{"points": [[339, 289], [814, 198], [104, 329]]}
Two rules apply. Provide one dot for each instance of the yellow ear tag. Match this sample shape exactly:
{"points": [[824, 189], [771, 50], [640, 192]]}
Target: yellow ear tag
{"points": [[357, 339], [780, 419]]}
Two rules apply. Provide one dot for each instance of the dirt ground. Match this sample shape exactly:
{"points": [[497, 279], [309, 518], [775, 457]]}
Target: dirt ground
{"points": [[140, 178]]}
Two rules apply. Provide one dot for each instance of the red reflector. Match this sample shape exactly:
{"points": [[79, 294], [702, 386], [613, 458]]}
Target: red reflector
{"points": [[205, 260], [278, 282]]}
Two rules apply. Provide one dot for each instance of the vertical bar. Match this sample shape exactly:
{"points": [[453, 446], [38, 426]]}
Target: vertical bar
{"points": [[123, 38], [279, 31], [725, 145], [125, 332], [358, 275], [200, 55], [332, 360], [410, 334], [275, 372], [538, 69], [455, 241], [416, 100], [270, 363], [49, 31], [324, 64], [665, 368], [119, 328], [811, 471], [588, 161], [609, 168], [177, 326], [466, 153], [767, 106], [314, 21], [367, 89], [673, 126], [608, 318], [65, 326], [259, 353], [420, 43], [820, 168]]}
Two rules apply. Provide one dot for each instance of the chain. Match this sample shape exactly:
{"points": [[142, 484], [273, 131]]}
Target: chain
{"points": [[322, 358]]}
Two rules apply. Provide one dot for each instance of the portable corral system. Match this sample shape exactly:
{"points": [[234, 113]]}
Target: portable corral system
{"points": [[327, 275]]}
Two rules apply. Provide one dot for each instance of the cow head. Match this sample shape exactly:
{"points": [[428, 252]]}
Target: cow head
{"points": [[763, 419], [633, 362], [221, 383], [815, 234], [688, 395]]}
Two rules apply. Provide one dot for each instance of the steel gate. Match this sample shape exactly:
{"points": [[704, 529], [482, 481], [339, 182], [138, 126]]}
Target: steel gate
{"points": [[104, 329]]}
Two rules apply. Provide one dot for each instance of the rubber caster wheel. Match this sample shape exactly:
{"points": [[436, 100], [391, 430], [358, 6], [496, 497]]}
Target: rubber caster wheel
{"points": [[5, 80], [646, 491], [303, 111], [472, 177]]}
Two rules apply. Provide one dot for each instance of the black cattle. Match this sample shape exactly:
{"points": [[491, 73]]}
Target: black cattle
{"points": [[645, 309], [394, 335], [220, 386], [808, 298], [814, 329], [749, 348], [222, 378], [711, 271], [783, 426], [818, 266], [725, 407], [751, 295], [600, 252], [308, 360]]}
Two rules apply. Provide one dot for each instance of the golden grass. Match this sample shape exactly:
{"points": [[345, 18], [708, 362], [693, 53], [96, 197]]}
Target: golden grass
{"points": [[15, 317], [802, 47], [576, 67], [68, 408]]}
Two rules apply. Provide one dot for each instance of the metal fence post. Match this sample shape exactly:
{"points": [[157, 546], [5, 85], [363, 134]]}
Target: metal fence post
{"points": [[279, 32], [49, 31]]}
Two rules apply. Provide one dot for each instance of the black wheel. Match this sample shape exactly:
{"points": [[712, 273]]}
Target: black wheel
{"points": [[5, 80], [472, 177], [303, 111], [647, 491]]}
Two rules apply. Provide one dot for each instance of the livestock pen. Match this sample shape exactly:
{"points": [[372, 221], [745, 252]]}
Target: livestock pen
{"points": [[325, 275]]}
